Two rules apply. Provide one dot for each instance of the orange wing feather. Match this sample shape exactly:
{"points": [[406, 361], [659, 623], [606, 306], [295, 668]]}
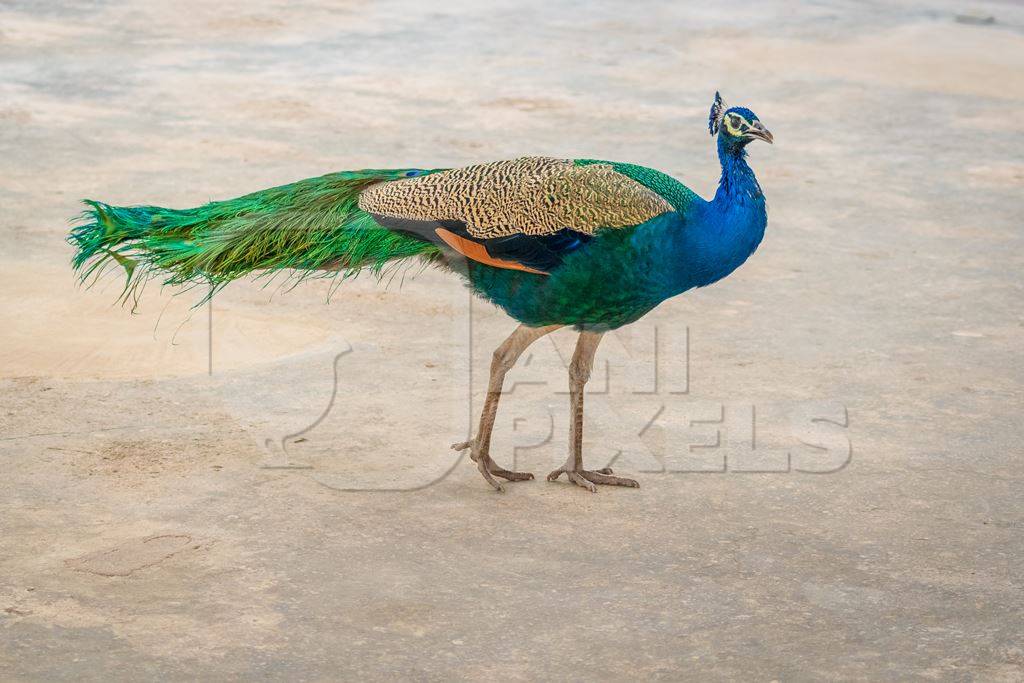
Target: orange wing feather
{"points": [[478, 252]]}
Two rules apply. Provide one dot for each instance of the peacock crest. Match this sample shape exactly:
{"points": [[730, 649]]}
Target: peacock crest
{"points": [[717, 113]]}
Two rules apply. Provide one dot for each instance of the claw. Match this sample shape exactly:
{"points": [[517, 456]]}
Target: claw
{"points": [[509, 474], [578, 479], [470, 445], [482, 466], [599, 477], [587, 478], [488, 468]]}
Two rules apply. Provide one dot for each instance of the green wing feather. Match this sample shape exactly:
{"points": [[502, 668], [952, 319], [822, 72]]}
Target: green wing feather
{"points": [[313, 226], [674, 192]]}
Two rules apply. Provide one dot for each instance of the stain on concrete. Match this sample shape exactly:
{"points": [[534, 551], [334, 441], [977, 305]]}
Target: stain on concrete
{"points": [[131, 556]]}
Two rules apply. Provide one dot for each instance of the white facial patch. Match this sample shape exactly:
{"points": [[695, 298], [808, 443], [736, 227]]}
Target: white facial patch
{"points": [[736, 124]]}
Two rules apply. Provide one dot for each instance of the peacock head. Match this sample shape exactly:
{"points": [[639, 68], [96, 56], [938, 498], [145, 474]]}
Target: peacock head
{"points": [[735, 126]]}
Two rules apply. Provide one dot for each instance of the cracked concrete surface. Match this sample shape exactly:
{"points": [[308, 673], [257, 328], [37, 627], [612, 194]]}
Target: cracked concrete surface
{"points": [[228, 493]]}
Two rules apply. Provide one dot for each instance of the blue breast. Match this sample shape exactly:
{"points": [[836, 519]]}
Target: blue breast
{"points": [[702, 246]]}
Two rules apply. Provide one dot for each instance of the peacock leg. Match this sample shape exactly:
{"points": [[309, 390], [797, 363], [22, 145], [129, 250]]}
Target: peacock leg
{"points": [[579, 372], [505, 357]]}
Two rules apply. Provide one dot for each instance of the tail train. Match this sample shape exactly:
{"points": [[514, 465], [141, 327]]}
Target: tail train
{"points": [[313, 226]]}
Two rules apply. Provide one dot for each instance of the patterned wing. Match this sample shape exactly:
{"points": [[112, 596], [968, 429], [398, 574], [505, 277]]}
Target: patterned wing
{"points": [[525, 213]]}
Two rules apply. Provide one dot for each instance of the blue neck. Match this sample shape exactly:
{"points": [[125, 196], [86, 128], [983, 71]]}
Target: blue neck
{"points": [[716, 237], [738, 186]]}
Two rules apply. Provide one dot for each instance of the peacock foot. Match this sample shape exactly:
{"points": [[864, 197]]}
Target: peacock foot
{"points": [[588, 478], [488, 468]]}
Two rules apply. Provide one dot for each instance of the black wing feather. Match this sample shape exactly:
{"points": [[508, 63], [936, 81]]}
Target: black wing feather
{"points": [[540, 252]]}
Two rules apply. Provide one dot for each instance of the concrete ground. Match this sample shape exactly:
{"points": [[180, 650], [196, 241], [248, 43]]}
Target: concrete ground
{"points": [[828, 441]]}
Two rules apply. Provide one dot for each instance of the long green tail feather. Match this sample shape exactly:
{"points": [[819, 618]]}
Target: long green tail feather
{"points": [[314, 227]]}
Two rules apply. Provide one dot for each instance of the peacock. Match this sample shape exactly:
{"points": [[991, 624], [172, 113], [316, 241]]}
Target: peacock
{"points": [[585, 243]]}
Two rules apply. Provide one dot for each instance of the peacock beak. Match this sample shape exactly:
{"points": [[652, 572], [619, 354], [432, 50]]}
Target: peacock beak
{"points": [[761, 133]]}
